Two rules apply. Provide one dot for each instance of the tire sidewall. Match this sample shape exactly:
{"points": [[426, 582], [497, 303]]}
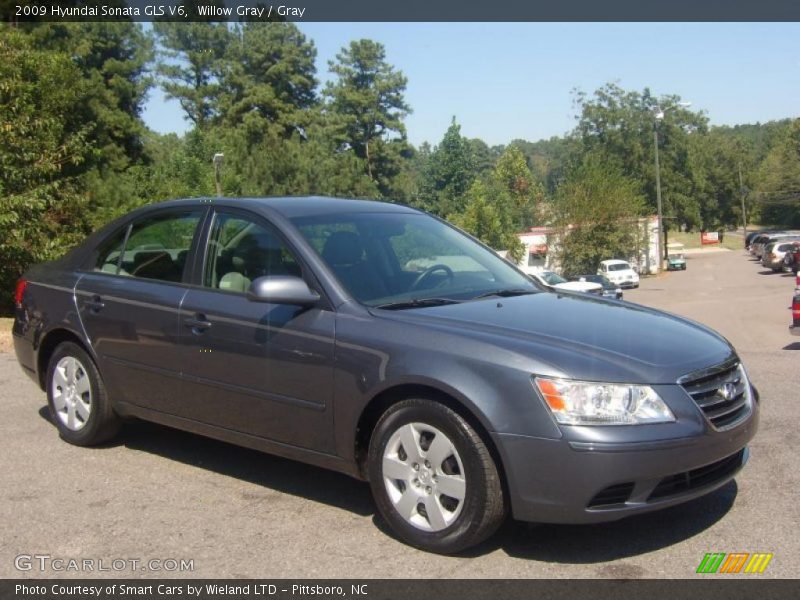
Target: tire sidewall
{"points": [[438, 416], [89, 431]]}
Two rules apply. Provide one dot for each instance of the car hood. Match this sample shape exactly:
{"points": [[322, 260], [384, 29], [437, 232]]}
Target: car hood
{"points": [[580, 336], [579, 286], [621, 273]]}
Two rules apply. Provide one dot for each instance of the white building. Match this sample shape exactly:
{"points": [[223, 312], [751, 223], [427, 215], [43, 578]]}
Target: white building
{"points": [[541, 244]]}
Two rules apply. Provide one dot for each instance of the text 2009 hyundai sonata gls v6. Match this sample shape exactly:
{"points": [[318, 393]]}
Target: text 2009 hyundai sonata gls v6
{"points": [[378, 341]]}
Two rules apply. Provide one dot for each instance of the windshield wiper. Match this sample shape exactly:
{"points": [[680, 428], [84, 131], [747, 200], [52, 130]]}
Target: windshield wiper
{"points": [[417, 303], [505, 293]]}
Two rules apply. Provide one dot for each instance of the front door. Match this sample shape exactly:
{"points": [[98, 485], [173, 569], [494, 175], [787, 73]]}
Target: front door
{"points": [[254, 367]]}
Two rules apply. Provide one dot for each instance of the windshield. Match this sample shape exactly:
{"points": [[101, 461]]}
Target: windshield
{"points": [[551, 278], [601, 279], [619, 267], [385, 258]]}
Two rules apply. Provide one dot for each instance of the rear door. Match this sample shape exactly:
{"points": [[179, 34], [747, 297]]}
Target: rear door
{"points": [[129, 300], [254, 367]]}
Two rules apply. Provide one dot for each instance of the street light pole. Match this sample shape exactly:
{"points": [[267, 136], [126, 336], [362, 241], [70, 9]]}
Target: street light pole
{"points": [[658, 115], [661, 229], [217, 160]]}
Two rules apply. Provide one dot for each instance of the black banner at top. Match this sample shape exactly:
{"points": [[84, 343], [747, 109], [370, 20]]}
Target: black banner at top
{"points": [[401, 10]]}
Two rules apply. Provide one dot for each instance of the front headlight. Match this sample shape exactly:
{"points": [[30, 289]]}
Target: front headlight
{"points": [[587, 403]]}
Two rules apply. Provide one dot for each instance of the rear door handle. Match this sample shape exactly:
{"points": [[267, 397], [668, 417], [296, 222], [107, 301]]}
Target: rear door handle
{"points": [[198, 323], [95, 305]]}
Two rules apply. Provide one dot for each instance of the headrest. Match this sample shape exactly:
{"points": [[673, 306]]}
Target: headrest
{"points": [[234, 282], [343, 248]]}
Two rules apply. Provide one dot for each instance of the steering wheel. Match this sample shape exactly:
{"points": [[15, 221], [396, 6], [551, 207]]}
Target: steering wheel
{"points": [[429, 271]]}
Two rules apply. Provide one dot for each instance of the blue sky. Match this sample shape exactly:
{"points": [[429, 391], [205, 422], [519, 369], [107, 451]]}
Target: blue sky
{"points": [[513, 80]]}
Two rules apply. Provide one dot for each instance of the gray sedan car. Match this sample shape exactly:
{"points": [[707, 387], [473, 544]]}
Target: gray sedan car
{"points": [[379, 341]]}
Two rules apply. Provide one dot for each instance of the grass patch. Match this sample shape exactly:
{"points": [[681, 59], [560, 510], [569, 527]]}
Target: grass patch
{"points": [[6, 345], [692, 240]]}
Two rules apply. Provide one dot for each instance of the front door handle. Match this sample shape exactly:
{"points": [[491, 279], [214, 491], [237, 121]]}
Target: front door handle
{"points": [[198, 323], [95, 305]]}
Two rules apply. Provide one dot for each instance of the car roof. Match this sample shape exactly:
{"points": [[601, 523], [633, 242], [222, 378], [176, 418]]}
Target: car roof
{"points": [[296, 206], [614, 261]]}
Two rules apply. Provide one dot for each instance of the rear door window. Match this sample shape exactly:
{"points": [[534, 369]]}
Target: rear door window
{"points": [[158, 246], [109, 253]]}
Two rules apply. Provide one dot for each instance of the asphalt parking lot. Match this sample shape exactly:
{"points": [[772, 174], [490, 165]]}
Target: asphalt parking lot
{"points": [[162, 494]]}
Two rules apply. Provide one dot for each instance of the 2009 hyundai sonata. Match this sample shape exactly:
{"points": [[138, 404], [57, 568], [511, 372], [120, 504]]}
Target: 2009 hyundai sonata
{"points": [[379, 341]]}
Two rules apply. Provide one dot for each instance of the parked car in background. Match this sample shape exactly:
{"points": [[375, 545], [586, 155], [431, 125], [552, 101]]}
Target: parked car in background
{"points": [[555, 281], [775, 252], [748, 240], [763, 241], [794, 328], [758, 241], [620, 272], [610, 290], [676, 261], [791, 258]]}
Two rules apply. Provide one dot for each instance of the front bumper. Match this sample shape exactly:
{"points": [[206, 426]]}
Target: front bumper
{"points": [[564, 481], [794, 329]]}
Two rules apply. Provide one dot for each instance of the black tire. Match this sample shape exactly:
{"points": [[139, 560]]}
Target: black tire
{"points": [[102, 423], [484, 507]]}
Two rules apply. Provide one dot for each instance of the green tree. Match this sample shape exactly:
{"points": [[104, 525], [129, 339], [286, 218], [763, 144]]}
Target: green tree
{"points": [[192, 57], [484, 158], [513, 179], [366, 107], [549, 160], [596, 212], [269, 73], [488, 220], [112, 59], [299, 165], [44, 149], [620, 124], [448, 174], [779, 185]]}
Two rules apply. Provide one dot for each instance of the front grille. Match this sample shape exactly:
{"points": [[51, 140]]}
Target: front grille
{"points": [[721, 396], [612, 495], [697, 478]]}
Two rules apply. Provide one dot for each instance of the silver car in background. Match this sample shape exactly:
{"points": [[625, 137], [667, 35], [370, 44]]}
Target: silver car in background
{"points": [[775, 252]]}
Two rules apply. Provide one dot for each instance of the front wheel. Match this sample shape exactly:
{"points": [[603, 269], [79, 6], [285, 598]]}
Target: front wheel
{"points": [[77, 398], [433, 478]]}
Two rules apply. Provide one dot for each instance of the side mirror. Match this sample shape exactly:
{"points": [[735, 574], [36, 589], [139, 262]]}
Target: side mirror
{"points": [[282, 289]]}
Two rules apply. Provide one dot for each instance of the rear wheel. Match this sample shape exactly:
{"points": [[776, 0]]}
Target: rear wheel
{"points": [[433, 477], [77, 398]]}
